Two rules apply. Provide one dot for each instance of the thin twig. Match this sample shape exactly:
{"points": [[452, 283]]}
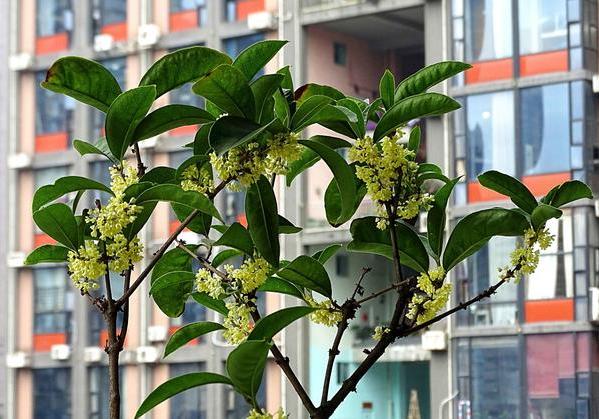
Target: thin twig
{"points": [[359, 289], [392, 287], [125, 323], [141, 169], [205, 264]]}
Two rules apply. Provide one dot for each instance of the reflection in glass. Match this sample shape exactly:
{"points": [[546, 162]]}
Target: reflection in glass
{"points": [[543, 26], [488, 31]]}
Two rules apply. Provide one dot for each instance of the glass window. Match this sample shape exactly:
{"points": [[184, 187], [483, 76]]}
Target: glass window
{"points": [[54, 112], [543, 25], [230, 10], [185, 96], [53, 301], [339, 53], [545, 130], [191, 403], [198, 5], [490, 135], [53, 17], [52, 393], [99, 171], [106, 12], [233, 46], [488, 29]]}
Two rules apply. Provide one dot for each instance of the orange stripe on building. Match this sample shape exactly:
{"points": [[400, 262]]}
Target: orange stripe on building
{"points": [[43, 342], [185, 130], [180, 21], [41, 239], [52, 43], [478, 193], [118, 30], [549, 311], [56, 141], [246, 7], [539, 185], [486, 71], [546, 62]]}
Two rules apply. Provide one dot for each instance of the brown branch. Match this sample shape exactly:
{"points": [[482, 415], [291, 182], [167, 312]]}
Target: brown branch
{"points": [[125, 323], [203, 262], [141, 169], [391, 287]]}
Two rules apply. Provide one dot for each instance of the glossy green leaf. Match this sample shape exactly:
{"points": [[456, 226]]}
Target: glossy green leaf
{"points": [[263, 89], [278, 285], [198, 161], [58, 222], [307, 113], [245, 366], [224, 256], [178, 385], [339, 119], [174, 194], [414, 141], [419, 106], [84, 80], [188, 333], [263, 220], [170, 117], [47, 254], [387, 89], [173, 260], [333, 202], [252, 59], [325, 254], [287, 227], [171, 290], [542, 213], [63, 186], [427, 77], [159, 174], [231, 131], [211, 303], [367, 238], [140, 220], [100, 147], [228, 89], [344, 176], [306, 91], [358, 127], [569, 192], [309, 273], [509, 186], [474, 230], [182, 66], [287, 79], [200, 224], [435, 221], [124, 115], [237, 237], [267, 327]]}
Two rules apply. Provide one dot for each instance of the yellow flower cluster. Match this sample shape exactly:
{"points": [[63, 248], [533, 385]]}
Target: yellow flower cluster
{"points": [[389, 170], [238, 322], [251, 274], [379, 331], [325, 314], [258, 414], [85, 266], [432, 298], [199, 180], [122, 253], [525, 258], [248, 162], [209, 283]]}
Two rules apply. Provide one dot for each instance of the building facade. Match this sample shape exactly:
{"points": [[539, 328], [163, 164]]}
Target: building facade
{"points": [[528, 109]]}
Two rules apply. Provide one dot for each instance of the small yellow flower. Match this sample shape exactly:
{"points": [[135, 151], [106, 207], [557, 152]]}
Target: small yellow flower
{"points": [[251, 274], [238, 322], [122, 254], [85, 266], [260, 414], [326, 314], [197, 180], [433, 296], [209, 283], [379, 331]]}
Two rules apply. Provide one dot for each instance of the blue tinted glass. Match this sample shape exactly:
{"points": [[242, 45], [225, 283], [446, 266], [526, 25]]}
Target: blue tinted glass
{"points": [[545, 129], [113, 11], [543, 25], [181, 5], [488, 29], [53, 17], [191, 403], [234, 46], [490, 133], [54, 112], [51, 390]]}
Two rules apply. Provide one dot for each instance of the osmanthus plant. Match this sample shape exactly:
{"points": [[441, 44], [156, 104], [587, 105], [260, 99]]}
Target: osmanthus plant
{"points": [[251, 133]]}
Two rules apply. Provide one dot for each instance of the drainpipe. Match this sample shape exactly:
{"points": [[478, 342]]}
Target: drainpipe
{"points": [[443, 403]]}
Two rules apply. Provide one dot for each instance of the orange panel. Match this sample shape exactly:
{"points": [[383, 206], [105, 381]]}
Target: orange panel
{"points": [[56, 141], [186, 130], [103, 341], [549, 311], [173, 329], [242, 219], [118, 30], [478, 193], [546, 62], [489, 71], [41, 239], [173, 225], [245, 7], [52, 43], [539, 185], [43, 342], [180, 21]]}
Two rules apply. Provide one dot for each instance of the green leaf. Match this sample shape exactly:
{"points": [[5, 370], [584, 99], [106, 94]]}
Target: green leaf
{"points": [[542, 214], [225, 255], [63, 186], [200, 224], [228, 89], [367, 238], [308, 157], [309, 273], [419, 106], [123, 116], [231, 131], [173, 260], [387, 89], [570, 191], [140, 220], [287, 227], [211, 303], [58, 222], [267, 327], [263, 220], [198, 161], [47, 254], [282, 108], [245, 366], [306, 113], [278, 285], [325, 254], [308, 90], [474, 230], [237, 237], [263, 89], [177, 385], [101, 148], [414, 141], [84, 80], [344, 176], [159, 174], [427, 77], [170, 117], [509, 186], [174, 194], [171, 290], [435, 221], [252, 59], [188, 333], [339, 119], [358, 127], [181, 67], [287, 80]]}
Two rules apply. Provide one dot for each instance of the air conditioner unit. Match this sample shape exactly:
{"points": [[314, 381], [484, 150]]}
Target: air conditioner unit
{"points": [[262, 21], [92, 354], [128, 357], [148, 35], [15, 259], [594, 302], [18, 360], [19, 161], [595, 81], [22, 61], [157, 333], [60, 352], [147, 354], [434, 340], [103, 42]]}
